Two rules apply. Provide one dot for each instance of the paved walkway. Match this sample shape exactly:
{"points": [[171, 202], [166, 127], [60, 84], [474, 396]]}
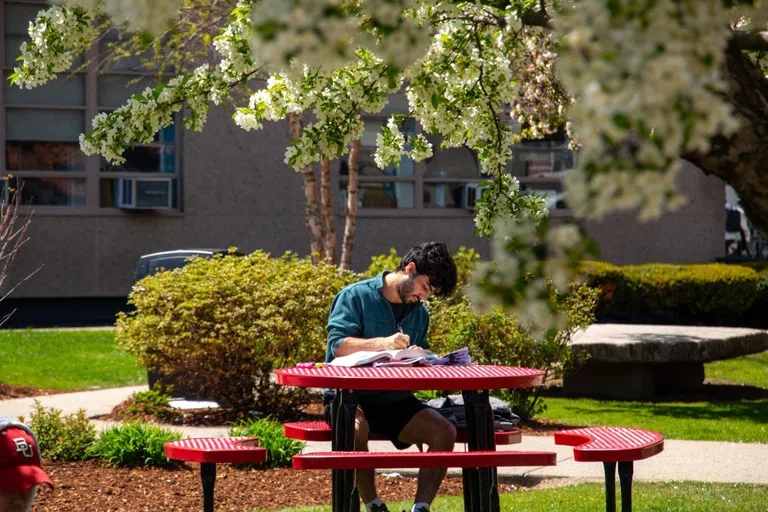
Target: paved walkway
{"points": [[703, 461]]}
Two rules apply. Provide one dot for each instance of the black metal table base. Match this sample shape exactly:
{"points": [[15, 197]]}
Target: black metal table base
{"points": [[208, 476], [343, 410], [626, 471], [481, 485], [481, 488]]}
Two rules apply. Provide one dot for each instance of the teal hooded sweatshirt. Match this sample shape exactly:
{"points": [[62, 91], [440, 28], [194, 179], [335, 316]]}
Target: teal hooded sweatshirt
{"points": [[361, 311]]}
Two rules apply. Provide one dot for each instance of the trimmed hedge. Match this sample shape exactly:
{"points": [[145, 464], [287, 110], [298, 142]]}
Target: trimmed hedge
{"points": [[711, 294]]}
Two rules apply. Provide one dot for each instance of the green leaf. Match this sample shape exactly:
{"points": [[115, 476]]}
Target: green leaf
{"points": [[622, 121], [438, 100]]}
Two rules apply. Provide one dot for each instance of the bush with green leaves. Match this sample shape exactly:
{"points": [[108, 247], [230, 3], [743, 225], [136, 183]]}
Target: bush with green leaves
{"points": [[495, 338], [61, 437], [222, 325], [712, 294], [134, 444], [280, 449], [153, 403]]}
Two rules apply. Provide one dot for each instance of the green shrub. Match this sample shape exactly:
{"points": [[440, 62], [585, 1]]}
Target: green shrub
{"points": [[134, 444], [153, 404], [61, 437], [495, 338], [383, 262], [280, 449], [222, 325], [755, 316], [714, 294]]}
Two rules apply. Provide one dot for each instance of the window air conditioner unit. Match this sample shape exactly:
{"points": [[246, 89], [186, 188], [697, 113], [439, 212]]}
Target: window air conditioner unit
{"points": [[144, 193], [470, 194]]}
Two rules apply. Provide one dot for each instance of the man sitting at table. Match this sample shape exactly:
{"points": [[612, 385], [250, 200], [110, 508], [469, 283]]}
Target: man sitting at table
{"points": [[387, 313]]}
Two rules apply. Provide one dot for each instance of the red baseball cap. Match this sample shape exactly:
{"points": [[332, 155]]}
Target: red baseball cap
{"points": [[20, 460]]}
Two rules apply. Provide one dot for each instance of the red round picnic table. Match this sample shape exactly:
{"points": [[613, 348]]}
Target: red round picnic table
{"points": [[480, 484], [411, 378]]}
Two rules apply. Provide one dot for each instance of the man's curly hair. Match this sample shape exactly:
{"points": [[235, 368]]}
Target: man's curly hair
{"points": [[433, 260]]}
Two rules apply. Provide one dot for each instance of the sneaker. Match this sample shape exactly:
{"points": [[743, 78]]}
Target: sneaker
{"points": [[422, 509], [380, 508]]}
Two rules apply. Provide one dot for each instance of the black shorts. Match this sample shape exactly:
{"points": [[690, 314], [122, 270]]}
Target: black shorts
{"points": [[386, 420]]}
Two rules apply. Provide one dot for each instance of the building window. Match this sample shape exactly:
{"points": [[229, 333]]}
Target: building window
{"points": [[415, 187], [42, 127], [447, 183], [391, 187], [540, 166]]}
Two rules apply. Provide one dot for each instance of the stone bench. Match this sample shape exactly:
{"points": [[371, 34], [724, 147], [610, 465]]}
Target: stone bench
{"points": [[639, 362]]}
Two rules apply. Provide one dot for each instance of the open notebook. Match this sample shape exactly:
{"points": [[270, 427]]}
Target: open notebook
{"points": [[413, 357]]}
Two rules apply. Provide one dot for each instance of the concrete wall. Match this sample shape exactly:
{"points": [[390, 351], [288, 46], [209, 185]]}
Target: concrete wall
{"points": [[693, 234]]}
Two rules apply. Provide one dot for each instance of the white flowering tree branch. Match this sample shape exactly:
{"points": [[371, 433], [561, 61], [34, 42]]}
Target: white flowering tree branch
{"points": [[639, 85]]}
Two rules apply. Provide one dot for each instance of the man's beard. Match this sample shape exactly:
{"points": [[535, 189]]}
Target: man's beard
{"points": [[405, 289]]}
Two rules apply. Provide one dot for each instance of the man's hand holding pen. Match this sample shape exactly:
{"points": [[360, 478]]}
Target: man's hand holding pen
{"points": [[397, 341]]}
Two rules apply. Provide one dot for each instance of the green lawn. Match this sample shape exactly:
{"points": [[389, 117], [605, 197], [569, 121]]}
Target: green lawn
{"points": [[67, 360], [589, 497], [751, 370], [742, 420]]}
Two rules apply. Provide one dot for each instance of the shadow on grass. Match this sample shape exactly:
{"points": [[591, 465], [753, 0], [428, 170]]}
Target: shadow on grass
{"points": [[752, 412], [710, 392]]}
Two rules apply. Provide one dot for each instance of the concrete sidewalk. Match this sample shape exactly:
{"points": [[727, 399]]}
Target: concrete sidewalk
{"points": [[703, 461]]}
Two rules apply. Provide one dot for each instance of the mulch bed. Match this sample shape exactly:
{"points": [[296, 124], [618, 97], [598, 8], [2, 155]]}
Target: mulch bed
{"points": [[8, 391], [89, 486]]}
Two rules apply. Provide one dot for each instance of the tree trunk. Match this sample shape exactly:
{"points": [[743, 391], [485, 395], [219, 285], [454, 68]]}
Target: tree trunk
{"points": [[742, 159], [350, 209], [311, 201], [326, 202]]}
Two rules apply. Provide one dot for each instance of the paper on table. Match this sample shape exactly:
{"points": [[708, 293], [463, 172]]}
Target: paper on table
{"points": [[419, 361], [458, 357], [364, 357]]}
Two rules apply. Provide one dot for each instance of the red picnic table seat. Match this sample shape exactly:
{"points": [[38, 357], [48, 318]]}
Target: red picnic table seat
{"points": [[385, 460], [612, 445], [209, 451], [320, 431]]}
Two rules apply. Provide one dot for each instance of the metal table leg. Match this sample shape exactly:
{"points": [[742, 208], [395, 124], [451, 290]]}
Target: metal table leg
{"points": [[343, 411], [625, 481], [610, 486], [483, 487], [208, 476], [626, 470]]}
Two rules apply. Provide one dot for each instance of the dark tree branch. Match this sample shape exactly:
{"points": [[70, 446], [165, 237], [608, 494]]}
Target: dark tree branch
{"points": [[741, 160], [537, 19], [750, 41]]}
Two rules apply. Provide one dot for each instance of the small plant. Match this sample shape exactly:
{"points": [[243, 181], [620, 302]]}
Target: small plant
{"points": [[153, 404], [280, 449], [134, 444], [61, 437]]}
